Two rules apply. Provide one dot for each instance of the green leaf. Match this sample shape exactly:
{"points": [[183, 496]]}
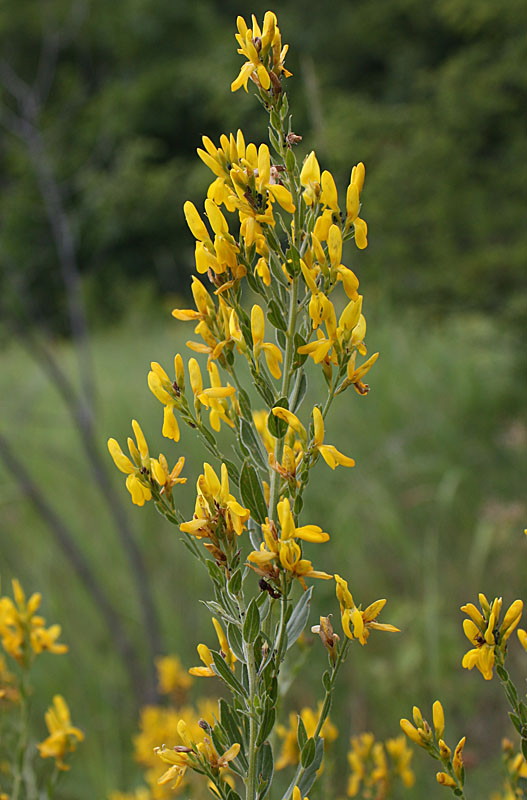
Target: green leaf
{"points": [[235, 642], [298, 505], [326, 681], [308, 753], [299, 358], [227, 675], [301, 734], [266, 724], [275, 142], [235, 582], [229, 722], [252, 492], [275, 316], [502, 673], [290, 161], [245, 405], [231, 794], [308, 778], [299, 617], [275, 120], [277, 427], [216, 574], [264, 769], [251, 625], [252, 443], [296, 401]]}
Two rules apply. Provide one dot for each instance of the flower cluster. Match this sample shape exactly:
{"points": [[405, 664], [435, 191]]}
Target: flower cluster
{"points": [[63, 736], [272, 225], [290, 751], [22, 631], [144, 474], [375, 766], [487, 633], [453, 773], [355, 622]]}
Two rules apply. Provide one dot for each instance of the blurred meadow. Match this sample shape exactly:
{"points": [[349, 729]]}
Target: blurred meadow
{"points": [[102, 108]]}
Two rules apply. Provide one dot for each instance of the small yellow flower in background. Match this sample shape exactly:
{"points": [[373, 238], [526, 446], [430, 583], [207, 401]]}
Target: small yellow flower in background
{"points": [[173, 679], [289, 753], [356, 623], [63, 736], [375, 766], [139, 794], [8, 684], [484, 631], [522, 636], [22, 631]]}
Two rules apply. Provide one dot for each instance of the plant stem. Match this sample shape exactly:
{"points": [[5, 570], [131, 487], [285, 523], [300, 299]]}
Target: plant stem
{"points": [[248, 650], [22, 741], [323, 715], [286, 378]]}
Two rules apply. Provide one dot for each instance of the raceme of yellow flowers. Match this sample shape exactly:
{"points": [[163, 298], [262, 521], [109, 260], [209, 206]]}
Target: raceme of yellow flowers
{"points": [[24, 637], [272, 299]]}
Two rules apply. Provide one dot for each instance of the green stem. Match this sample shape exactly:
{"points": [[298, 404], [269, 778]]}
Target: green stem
{"points": [[324, 713], [23, 739], [286, 378], [248, 650], [282, 626]]}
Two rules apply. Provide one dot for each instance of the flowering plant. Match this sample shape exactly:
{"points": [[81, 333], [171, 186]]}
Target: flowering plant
{"points": [[273, 227]]}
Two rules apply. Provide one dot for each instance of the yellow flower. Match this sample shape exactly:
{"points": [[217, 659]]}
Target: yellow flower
{"points": [[206, 656], [329, 452], [445, 780], [172, 677], [310, 179], [353, 205], [217, 513], [263, 51], [486, 634], [63, 736], [284, 550], [137, 470], [272, 353], [522, 636], [289, 753], [22, 631], [165, 477], [178, 766], [360, 621], [215, 399]]}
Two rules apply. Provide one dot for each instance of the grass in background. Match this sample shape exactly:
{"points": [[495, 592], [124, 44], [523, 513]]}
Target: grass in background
{"points": [[432, 514]]}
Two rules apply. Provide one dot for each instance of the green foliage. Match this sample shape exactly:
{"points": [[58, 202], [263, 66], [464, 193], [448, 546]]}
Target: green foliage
{"points": [[427, 492], [428, 95]]}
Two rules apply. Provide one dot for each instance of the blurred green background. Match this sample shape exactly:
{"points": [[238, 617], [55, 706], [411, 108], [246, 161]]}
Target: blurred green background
{"points": [[102, 108]]}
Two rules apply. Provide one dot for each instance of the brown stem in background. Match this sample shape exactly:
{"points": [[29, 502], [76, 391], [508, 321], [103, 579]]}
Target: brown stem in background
{"points": [[80, 405], [66, 542]]}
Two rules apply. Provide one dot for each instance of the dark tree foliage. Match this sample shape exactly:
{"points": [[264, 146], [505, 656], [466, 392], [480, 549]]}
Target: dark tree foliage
{"points": [[428, 95]]}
